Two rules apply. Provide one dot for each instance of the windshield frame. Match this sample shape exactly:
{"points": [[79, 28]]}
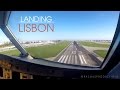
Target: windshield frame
{"points": [[110, 52]]}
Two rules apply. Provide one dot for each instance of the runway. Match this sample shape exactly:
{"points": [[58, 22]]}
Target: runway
{"points": [[77, 55]]}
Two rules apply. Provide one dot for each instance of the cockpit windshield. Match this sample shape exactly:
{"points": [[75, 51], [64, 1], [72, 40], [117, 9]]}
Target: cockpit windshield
{"points": [[68, 37]]}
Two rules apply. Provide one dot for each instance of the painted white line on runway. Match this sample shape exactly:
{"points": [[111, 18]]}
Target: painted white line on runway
{"points": [[73, 52], [76, 48], [75, 59], [72, 59], [69, 59], [60, 58], [63, 59], [80, 59], [84, 59], [66, 59]]}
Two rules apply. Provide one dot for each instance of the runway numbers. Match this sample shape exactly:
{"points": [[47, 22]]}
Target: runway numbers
{"points": [[73, 52]]}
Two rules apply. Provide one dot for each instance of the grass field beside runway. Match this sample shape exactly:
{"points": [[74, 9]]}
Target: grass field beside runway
{"points": [[45, 51], [5, 45], [11, 52], [93, 44], [101, 53]]}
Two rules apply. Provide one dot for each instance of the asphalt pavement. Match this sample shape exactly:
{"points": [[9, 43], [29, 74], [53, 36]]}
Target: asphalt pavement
{"points": [[77, 55]]}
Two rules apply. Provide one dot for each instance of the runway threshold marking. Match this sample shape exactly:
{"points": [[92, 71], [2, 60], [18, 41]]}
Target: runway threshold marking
{"points": [[63, 59], [69, 59], [60, 58], [80, 59], [66, 59], [76, 60], [72, 59], [84, 59]]}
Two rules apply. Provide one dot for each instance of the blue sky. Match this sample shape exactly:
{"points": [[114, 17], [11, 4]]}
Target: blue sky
{"points": [[69, 25]]}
